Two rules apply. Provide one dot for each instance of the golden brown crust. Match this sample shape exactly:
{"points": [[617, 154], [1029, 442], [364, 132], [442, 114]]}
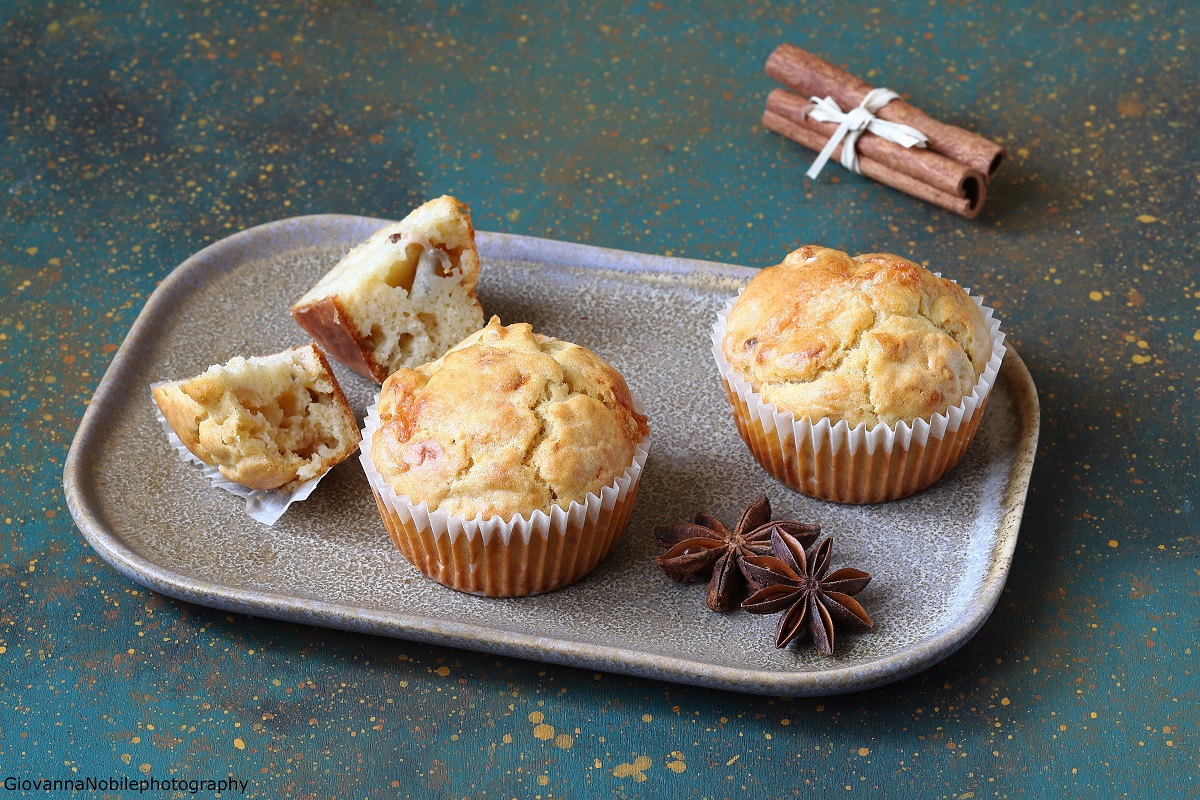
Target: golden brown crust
{"points": [[266, 423], [870, 339], [507, 422], [182, 413], [330, 324]]}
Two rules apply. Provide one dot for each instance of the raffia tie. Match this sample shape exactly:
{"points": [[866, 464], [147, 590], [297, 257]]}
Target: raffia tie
{"points": [[852, 124]]}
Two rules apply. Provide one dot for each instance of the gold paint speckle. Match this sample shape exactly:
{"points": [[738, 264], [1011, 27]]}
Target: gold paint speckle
{"points": [[635, 770]]}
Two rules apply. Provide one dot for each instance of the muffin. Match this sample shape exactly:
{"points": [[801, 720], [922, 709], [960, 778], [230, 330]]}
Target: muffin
{"points": [[269, 422], [401, 298], [509, 466], [859, 379]]}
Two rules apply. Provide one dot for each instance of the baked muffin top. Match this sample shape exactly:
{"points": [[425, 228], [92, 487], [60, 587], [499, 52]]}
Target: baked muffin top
{"points": [[871, 339], [507, 422]]}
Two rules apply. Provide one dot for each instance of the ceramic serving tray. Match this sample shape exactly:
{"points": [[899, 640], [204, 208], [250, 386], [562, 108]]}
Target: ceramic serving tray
{"points": [[939, 559]]}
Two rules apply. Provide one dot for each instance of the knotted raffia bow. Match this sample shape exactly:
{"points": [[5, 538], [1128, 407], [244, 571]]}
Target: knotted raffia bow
{"points": [[853, 123]]}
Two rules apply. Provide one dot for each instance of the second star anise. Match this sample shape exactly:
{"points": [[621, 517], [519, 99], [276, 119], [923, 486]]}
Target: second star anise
{"points": [[706, 549], [794, 580]]}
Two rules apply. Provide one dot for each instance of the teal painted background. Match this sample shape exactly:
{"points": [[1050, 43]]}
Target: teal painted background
{"points": [[133, 134]]}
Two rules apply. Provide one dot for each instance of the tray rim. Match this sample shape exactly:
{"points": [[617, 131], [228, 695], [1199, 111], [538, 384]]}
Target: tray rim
{"points": [[215, 257]]}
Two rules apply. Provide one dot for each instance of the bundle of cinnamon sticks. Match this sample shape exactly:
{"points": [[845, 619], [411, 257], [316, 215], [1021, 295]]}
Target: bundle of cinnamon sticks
{"points": [[951, 172]]}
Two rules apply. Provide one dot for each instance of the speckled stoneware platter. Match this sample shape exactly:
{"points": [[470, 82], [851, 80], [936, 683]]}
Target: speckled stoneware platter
{"points": [[939, 559]]}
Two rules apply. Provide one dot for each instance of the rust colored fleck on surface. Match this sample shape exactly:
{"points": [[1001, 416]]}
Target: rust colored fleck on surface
{"points": [[1130, 105]]}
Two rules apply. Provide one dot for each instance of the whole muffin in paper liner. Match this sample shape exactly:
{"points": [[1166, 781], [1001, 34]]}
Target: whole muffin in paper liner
{"points": [[510, 465], [858, 380]]}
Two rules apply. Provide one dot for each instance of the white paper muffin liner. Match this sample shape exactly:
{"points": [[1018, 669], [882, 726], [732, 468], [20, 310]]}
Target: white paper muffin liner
{"points": [[263, 505], [527, 554], [833, 461]]}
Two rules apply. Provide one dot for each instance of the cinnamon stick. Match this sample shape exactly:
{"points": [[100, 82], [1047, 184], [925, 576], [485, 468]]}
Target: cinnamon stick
{"points": [[876, 170], [922, 164], [811, 76]]}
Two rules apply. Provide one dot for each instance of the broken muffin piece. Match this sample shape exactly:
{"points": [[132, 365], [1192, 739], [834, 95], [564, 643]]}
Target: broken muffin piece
{"points": [[403, 297], [267, 423]]}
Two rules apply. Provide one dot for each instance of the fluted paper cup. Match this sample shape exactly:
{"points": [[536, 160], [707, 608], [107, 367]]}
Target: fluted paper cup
{"points": [[494, 557], [833, 461]]}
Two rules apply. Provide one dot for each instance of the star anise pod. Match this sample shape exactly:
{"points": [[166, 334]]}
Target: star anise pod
{"points": [[797, 581], [707, 550]]}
